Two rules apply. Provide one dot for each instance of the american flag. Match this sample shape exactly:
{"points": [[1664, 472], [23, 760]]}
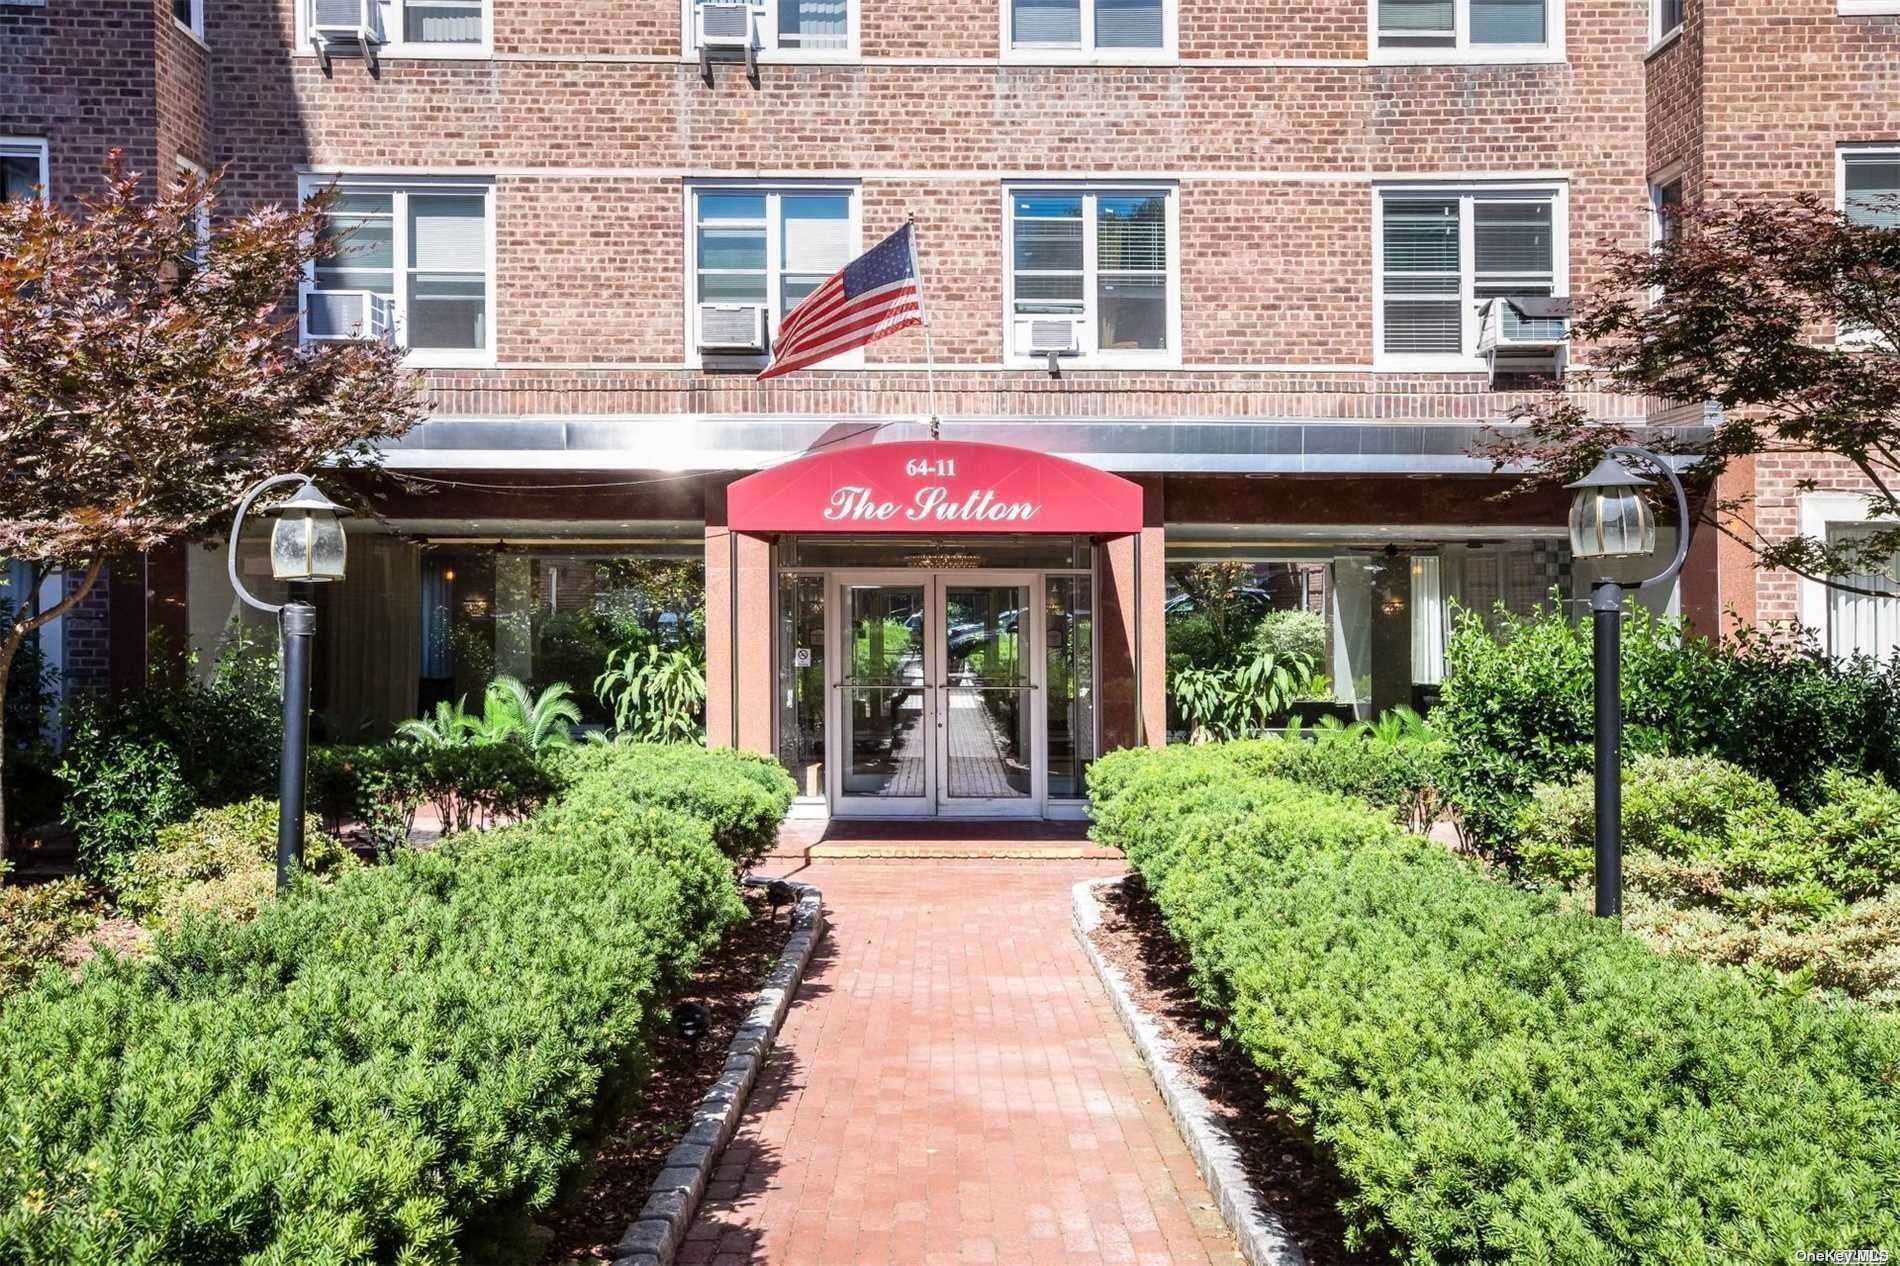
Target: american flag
{"points": [[874, 295]]}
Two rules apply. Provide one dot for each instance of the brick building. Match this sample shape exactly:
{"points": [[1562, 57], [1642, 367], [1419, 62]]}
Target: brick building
{"points": [[1237, 260]]}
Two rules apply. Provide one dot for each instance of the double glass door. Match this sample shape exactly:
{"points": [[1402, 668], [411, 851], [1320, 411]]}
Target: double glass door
{"points": [[939, 701]]}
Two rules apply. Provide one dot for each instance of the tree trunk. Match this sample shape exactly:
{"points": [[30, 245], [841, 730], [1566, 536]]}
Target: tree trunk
{"points": [[16, 637]]}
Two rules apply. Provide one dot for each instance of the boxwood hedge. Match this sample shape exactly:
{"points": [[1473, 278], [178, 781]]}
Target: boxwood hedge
{"points": [[740, 795], [363, 1069], [1499, 1081]]}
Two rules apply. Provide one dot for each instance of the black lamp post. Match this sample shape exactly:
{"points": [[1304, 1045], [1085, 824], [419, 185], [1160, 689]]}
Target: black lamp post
{"points": [[306, 544], [1609, 518]]}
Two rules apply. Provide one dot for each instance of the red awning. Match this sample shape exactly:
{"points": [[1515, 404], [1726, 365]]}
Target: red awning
{"points": [[934, 486]]}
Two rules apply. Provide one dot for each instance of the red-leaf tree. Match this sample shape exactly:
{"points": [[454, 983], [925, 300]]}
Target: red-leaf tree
{"points": [[1786, 314], [150, 371]]}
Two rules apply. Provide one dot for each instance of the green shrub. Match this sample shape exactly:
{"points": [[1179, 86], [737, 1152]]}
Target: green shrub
{"points": [[1517, 709], [1291, 632], [138, 760], [363, 1070], [743, 797], [221, 861], [1497, 1080], [469, 785], [35, 921]]}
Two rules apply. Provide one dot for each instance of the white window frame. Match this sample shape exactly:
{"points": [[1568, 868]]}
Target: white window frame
{"points": [[765, 23], [1819, 512], [1462, 49], [1660, 35], [1468, 361], [775, 192], [1890, 150], [400, 188], [422, 51], [196, 27], [1670, 175], [33, 147], [1093, 357], [1867, 8], [1084, 52]]}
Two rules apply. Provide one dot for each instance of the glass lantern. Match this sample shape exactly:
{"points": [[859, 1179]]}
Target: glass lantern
{"points": [[1609, 515], [307, 541]]}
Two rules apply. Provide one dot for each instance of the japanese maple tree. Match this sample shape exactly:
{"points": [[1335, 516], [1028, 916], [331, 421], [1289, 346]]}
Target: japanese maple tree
{"points": [[150, 371], [1786, 314]]}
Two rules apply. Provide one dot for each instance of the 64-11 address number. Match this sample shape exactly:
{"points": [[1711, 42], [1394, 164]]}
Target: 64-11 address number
{"points": [[931, 468]]}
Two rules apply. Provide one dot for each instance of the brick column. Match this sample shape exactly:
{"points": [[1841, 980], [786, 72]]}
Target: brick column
{"points": [[1718, 578], [739, 642], [1131, 641]]}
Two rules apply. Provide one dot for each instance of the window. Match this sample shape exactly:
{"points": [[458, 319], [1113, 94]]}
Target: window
{"points": [[1870, 187], [1863, 623], [1665, 19], [767, 248], [413, 262], [1441, 254], [1101, 261], [192, 171], [1106, 27], [451, 28], [1665, 205], [190, 14], [791, 29], [1437, 30], [22, 169]]}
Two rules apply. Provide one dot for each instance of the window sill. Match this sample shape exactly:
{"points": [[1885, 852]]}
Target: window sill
{"points": [[196, 37], [1869, 8], [1668, 38], [1084, 57], [1430, 365], [1097, 362], [407, 52], [447, 360], [1467, 57], [778, 57]]}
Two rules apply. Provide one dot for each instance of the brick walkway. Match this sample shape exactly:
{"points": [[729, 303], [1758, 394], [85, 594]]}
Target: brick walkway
{"points": [[951, 1086]]}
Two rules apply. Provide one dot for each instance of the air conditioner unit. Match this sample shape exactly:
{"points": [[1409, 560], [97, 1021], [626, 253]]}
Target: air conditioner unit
{"points": [[342, 316], [1048, 335], [345, 24], [732, 327], [1524, 334], [724, 25]]}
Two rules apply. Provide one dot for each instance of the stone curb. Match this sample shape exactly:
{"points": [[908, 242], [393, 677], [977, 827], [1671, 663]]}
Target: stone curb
{"points": [[655, 1236], [1261, 1238]]}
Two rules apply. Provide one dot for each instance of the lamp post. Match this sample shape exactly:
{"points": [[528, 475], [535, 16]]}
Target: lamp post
{"points": [[306, 544], [1609, 518]]}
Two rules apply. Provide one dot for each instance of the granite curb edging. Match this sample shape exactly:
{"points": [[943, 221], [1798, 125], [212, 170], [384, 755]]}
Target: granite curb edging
{"points": [[1262, 1240], [655, 1236]]}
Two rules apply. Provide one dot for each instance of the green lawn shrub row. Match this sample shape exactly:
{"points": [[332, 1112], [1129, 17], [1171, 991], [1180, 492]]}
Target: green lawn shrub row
{"points": [[742, 796], [1718, 867], [1517, 709], [364, 1070], [1497, 1080], [469, 785]]}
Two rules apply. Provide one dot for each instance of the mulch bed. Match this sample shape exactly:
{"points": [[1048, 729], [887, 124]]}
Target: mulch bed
{"points": [[587, 1227], [1295, 1181]]}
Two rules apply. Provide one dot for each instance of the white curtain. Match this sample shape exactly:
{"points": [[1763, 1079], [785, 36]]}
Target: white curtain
{"points": [[1861, 623], [1428, 622]]}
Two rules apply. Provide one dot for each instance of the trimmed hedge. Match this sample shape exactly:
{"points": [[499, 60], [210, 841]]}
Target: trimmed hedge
{"points": [[362, 1070], [1499, 1081], [742, 796], [470, 785]]}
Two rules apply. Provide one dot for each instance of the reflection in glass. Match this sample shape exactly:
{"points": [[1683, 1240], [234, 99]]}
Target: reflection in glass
{"points": [[987, 702], [884, 705], [801, 681], [1069, 675]]}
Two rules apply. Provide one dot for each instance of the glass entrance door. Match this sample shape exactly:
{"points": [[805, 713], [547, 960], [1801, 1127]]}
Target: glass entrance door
{"points": [[989, 749], [886, 701]]}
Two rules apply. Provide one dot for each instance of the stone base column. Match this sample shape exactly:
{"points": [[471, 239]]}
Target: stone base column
{"points": [[1132, 641], [739, 636]]}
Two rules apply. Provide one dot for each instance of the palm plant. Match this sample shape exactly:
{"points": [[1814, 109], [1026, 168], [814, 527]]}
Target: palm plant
{"points": [[451, 725], [513, 713]]}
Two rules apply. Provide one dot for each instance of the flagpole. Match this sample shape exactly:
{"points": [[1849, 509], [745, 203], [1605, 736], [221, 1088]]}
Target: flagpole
{"points": [[923, 310]]}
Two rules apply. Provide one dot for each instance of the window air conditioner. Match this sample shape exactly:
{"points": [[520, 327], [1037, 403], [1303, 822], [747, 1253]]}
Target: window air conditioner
{"points": [[1524, 334], [1048, 335], [731, 327], [340, 316], [725, 27], [345, 23]]}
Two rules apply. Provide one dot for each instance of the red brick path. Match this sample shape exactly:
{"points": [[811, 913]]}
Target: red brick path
{"points": [[951, 1086]]}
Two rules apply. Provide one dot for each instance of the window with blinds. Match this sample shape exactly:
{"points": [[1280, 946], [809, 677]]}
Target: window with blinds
{"points": [[1870, 187], [441, 22], [1863, 619], [412, 261], [1101, 258], [1463, 24], [1443, 255], [824, 28], [770, 247], [1086, 25]]}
